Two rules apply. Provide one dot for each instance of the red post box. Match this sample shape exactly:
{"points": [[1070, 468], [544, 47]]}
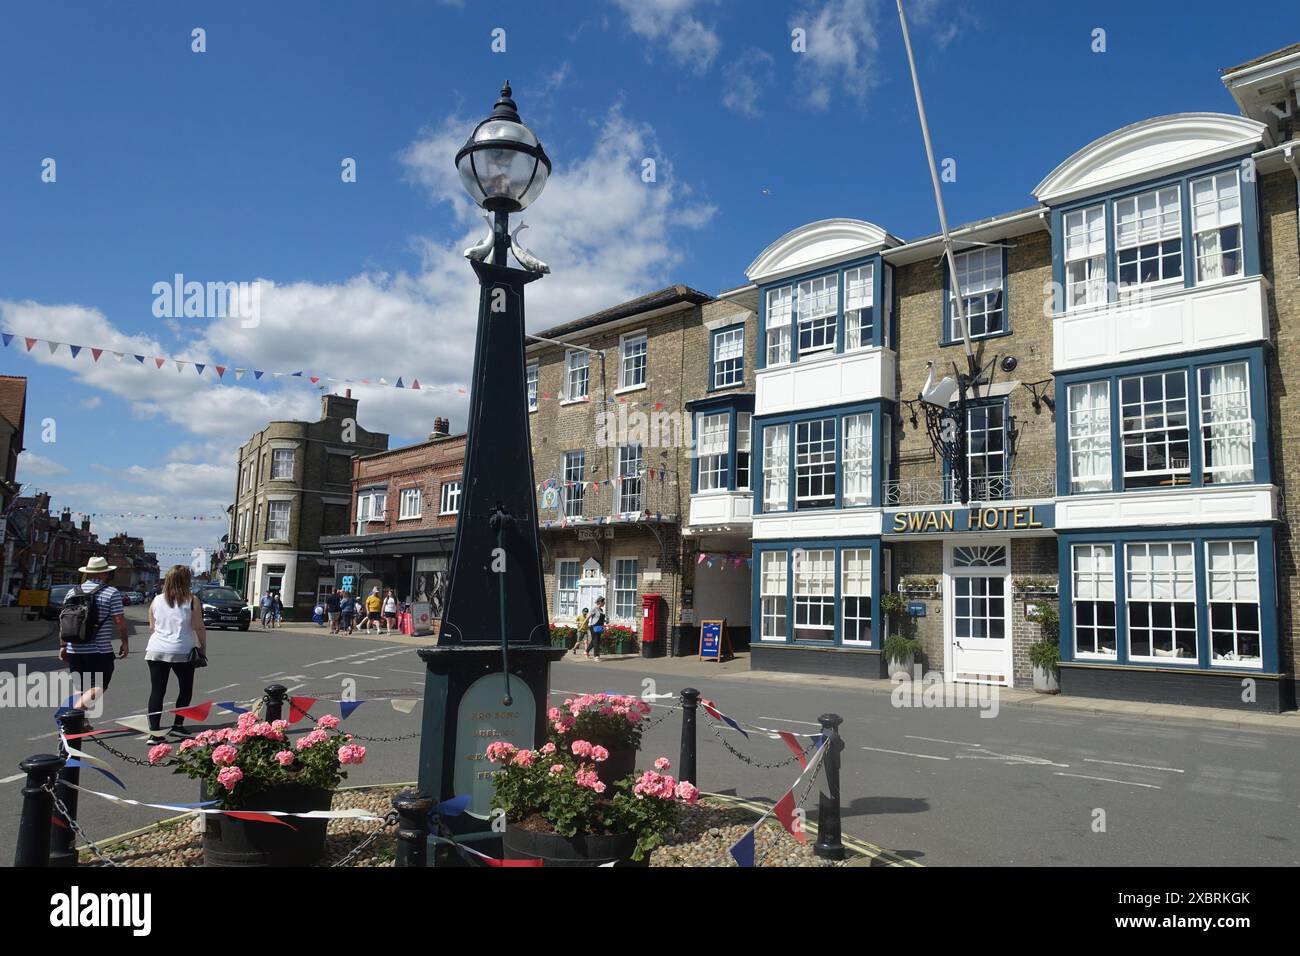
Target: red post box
{"points": [[652, 622]]}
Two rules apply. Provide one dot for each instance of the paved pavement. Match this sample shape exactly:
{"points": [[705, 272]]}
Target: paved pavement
{"points": [[16, 631], [1042, 783]]}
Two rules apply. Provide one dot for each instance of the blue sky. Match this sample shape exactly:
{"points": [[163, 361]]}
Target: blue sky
{"points": [[225, 166]]}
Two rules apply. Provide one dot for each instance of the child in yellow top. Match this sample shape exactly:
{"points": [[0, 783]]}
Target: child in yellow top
{"points": [[582, 632], [373, 604]]}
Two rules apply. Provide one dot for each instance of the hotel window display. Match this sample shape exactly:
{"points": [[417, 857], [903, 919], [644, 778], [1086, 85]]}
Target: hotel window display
{"points": [[773, 594], [818, 308], [1233, 591], [1089, 424], [743, 440], [814, 595], [1085, 257], [979, 274], [1093, 596], [857, 460], [1226, 426], [815, 464], [859, 320], [1149, 237], [1153, 410], [1161, 594], [713, 451], [855, 595], [780, 309], [1216, 224], [776, 468]]}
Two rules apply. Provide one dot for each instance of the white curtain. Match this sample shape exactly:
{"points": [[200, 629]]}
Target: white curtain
{"points": [[1225, 409], [1090, 437], [857, 460], [776, 467]]}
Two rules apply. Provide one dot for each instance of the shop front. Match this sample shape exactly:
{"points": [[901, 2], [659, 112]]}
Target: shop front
{"points": [[413, 563]]}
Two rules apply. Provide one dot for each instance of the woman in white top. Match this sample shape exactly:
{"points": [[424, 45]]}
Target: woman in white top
{"points": [[390, 611], [175, 630]]}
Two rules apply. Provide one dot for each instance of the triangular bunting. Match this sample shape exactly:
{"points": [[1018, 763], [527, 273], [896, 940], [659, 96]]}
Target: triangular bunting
{"points": [[8, 337], [234, 708], [54, 346], [346, 707], [404, 705], [30, 342], [199, 368], [159, 362], [257, 374], [260, 817], [221, 370], [794, 747], [298, 708], [315, 379], [95, 354], [75, 350], [180, 365], [399, 383], [743, 850], [199, 712], [784, 811]]}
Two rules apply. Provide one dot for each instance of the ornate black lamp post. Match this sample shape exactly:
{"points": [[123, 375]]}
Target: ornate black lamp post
{"points": [[487, 676]]}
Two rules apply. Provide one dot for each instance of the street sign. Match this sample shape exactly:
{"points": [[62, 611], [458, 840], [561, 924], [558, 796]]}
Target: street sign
{"points": [[916, 608], [714, 641]]}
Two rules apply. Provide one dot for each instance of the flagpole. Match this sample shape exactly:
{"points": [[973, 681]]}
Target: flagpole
{"points": [[938, 195]]}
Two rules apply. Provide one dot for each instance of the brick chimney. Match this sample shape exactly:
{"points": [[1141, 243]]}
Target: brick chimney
{"points": [[441, 429], [338, 407]]}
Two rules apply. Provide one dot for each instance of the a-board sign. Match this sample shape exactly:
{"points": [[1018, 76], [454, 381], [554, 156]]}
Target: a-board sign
{"points": [[715, 642], [32, 597]]}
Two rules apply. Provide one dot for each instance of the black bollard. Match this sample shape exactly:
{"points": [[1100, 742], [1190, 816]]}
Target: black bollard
{"points": [[829, 845], [275, 697], [62, 839], [686, 765], [38, 805], [412, 828]]}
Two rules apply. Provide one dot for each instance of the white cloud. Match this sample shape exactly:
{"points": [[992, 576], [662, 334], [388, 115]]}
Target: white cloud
{"points": [[842, 49], [91, 403], [32, 465], [688, 40], [745, 79]]}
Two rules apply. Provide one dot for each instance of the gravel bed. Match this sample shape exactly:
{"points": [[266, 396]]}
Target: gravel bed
{"points": [[704, 835]]}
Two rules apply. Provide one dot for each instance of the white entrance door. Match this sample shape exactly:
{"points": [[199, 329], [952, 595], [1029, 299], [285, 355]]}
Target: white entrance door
{"points": [[977, 601]]}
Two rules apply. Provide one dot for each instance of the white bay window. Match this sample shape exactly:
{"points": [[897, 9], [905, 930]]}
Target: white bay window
{"points": [[1149, 237], [1216, 226], [1085, 257], [1232, 582], [780, 309], [1089, 433], [1161, 585], [818, 307], [776, 468]]}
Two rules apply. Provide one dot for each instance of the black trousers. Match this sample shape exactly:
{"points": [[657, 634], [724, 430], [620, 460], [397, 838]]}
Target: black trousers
{"points": [[92, 670], [158, 671]]}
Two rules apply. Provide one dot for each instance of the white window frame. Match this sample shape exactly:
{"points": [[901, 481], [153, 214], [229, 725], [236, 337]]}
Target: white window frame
{"points": [[449, 497], [856, 584], [1084, 247], [815, 460], [857, 461], [859, 297], [372, 505], [744, 441], [1215, 216], [713, 450], [776, 468], [531, 379], [780, 315], [1143, 431], [1141, 229], [814, 592], [1095, 585], [774, 595], [728, 370], [818, 313], [573, 465], [631, 486], [633, 361], [1242, 587], [1088, 434], [577, 376], [272, 521], [1231, 427], [566, 599], [1149, 581], [409, 504], [622, 591], [278, 458], [982, 282]]}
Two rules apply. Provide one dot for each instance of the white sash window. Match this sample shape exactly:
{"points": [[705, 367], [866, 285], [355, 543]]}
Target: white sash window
{"points": [[818, 305], [1233, 592], [713, 449], [1161, 578], [1085, 257], [773, 594], [1216, 223], [780, 308], [1093, 568], [859, 319], [1149, 237], [1089, 423], [1227, 431], [776, 468], [855, 595], [857, 460], [979, 274]]}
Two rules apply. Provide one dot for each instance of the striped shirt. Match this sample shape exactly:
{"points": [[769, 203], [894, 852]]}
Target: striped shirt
{"points": [[108, 605]]}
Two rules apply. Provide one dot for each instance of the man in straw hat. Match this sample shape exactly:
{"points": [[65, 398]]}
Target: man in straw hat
{"points": [[92, 661]]}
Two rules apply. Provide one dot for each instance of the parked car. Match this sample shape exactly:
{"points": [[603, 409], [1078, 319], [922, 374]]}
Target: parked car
{"points": [[55, 605], [223, 607]]}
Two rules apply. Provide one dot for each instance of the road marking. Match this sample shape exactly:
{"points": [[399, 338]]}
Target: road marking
{"points": [[1139, 766], [53, 733], [904, 753], [806, 723], [940, 740], [1012, 759], [399, 670], [348, 674], [1127, 783], [17, 776], [213, 690]]}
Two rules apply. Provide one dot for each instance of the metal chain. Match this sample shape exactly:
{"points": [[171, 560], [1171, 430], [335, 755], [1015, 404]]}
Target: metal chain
{"points": [[798, 803], [656, 721], [761, 765], [127, 757], [381, 740], [70, 820], [389, 821]]}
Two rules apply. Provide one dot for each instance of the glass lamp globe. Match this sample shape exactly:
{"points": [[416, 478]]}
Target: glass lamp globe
{"points": [[503, 165]]}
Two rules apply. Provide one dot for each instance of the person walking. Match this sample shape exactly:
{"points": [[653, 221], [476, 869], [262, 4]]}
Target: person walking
{"points": [[176, 633], [584, 634], [390, 611], [347, 610], [597, 624], [374, 608], [277, 609], [266, 609], [332, 610], [92, 660]]}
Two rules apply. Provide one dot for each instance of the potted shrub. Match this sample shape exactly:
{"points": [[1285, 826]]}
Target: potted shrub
{"points": [[559, 810], [1035, 585], [254, 766], [618, 639], [919, 584], [611, 721], [900, 653], [1045, 653], [563, 636]]}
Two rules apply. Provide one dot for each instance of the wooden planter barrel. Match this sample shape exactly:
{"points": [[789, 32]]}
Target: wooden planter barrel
{"points": [[230, 841], [583, 849], [621, 762]]}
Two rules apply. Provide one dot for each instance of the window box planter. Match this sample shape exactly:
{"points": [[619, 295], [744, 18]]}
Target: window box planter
{"points": [[582, 849]]}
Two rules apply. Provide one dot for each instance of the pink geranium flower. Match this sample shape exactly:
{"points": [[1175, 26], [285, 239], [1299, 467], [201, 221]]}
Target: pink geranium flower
{"points": [[549, 748], [556, 768], [599, 753], [224, 755], [327, 722], [160, 752], [285, 757], [523, 758], [581, 748], [687, 791], [352, 753], [229, 777], [662, 764]]}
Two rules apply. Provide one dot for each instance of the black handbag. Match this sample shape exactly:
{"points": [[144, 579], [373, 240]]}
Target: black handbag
{"points": [[198, 658]]}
